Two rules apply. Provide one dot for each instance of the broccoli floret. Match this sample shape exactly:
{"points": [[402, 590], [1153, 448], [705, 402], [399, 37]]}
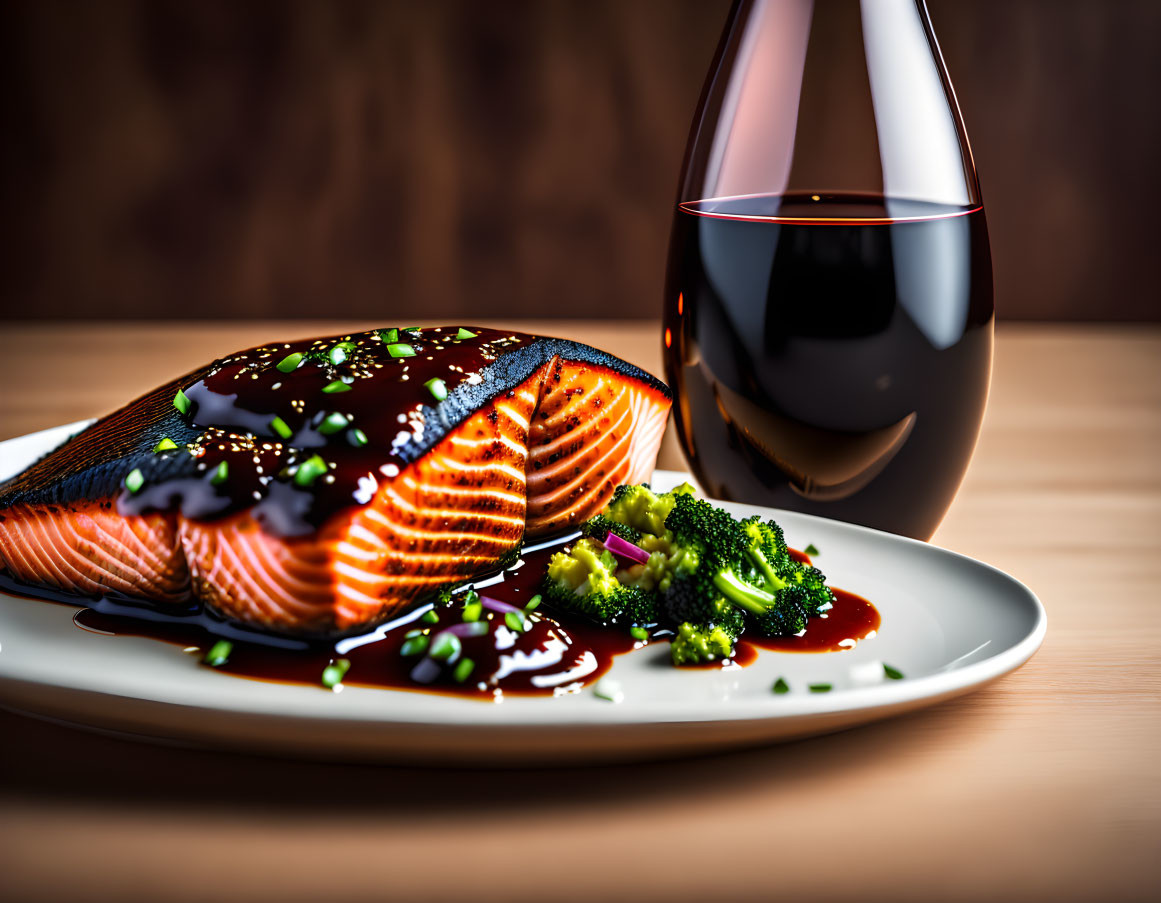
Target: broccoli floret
{"points": [[600, 526], [729, 618], [806, 596], [745, 565], [718, 560], [684, 602], [640, 508], [766, 548], [696, 644], [786, 618], [637, 515], [710, 532], [584, 579], [813, 594]]}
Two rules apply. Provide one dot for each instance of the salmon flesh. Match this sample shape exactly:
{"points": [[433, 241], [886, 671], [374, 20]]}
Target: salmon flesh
{"points": [[318, 488]]}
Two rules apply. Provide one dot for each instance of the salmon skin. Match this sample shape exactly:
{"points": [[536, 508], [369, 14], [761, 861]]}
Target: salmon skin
{"points": [[318, 488]]}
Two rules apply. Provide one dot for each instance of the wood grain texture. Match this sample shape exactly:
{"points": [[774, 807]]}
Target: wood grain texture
{"points": [[176, 159], [1044, 785]]}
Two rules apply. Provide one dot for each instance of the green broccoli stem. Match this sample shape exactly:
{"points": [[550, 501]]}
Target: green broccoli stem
{"points": [[742, 594], [774, 582]]}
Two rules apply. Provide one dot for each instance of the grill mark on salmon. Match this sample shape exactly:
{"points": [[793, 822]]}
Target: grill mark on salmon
{"points": [[440, 495]]}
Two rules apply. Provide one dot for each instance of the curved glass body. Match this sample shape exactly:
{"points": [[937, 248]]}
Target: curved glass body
{"points": [[828, 309]]}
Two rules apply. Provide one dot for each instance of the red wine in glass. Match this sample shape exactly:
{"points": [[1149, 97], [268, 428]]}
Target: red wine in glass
{"points": [[828, 311]]}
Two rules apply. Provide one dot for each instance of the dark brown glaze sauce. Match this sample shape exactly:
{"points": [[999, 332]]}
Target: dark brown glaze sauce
{"points": [[326, 405], [557, 654]]}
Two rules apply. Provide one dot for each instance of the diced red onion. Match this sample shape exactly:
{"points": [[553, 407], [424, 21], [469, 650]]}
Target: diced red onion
{"points": [[468, 629], [622, 548], [496, 605], [426, 671]]}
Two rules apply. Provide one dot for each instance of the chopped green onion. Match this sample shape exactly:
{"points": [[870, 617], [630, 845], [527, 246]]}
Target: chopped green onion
{"points": [[221, 474], [290, 362], [465, 334], [639, 633], [337, 386], [400, 349], [387, 336], [473, 610], [811, 549], [414, 645], [892, 673], [446, 647], [219, 653], [781, 686], [533, 603], [334, 672], [357, 437], [310, 470], [279, 426], [164, 445], [340, 352], [411, 633], [515, 621], [430, 617], [332, 423], [463, 670], [437, 387], [181, 402], [134, 480], [820, 688]]}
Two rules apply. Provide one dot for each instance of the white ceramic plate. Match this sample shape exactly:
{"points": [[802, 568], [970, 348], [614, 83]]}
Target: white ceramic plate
{"points": [[950, 624]]}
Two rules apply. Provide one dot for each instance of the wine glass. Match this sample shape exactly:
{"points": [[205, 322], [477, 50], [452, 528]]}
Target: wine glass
{"points": [[828, 305]]}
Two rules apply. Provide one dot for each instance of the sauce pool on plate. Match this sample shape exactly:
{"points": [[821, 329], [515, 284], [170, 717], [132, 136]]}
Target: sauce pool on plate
{"points": [[513, 651]]}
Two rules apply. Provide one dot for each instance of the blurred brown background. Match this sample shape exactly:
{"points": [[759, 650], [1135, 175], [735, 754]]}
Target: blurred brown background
{"points": [[382, 159]]}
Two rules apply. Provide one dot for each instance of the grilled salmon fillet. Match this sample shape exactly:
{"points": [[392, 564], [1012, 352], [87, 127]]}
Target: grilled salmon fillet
{"points": [[317, 488]]}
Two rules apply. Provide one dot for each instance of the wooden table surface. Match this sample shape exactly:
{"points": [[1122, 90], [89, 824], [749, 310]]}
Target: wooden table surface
{"points": [[1044, 785]]}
